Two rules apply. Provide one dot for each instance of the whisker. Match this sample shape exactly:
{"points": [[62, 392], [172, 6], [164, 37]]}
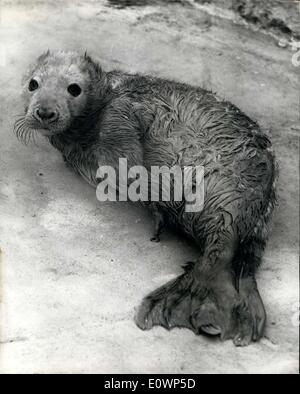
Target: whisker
{"points": [[28, 136], [18, 124], [24, 133], [21, 131], [18, 128], [33, 137], [25, 136], [20, 121]]}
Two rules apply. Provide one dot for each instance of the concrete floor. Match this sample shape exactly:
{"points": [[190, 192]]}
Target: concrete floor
{"points": [[73, 268]]}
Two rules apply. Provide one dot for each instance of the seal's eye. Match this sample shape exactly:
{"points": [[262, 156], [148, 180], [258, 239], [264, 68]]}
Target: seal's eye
{"points": [[74, 89], [33, 85]]}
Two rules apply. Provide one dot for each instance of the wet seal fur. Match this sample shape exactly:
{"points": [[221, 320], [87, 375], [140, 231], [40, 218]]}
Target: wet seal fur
{"points": [[94, 118]]}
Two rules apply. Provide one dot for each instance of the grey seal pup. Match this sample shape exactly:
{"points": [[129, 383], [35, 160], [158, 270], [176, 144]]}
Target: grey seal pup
{"points": [[95, 117]]}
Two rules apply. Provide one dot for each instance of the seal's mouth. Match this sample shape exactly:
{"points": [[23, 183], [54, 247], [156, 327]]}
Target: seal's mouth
{"points": [[38, 126], [46, 132]]}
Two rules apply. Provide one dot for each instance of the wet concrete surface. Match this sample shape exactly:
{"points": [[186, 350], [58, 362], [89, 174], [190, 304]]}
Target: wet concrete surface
{"points": [[73, 268]]}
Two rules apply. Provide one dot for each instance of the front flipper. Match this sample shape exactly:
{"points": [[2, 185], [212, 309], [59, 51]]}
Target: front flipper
{"points": [[159, 222]]}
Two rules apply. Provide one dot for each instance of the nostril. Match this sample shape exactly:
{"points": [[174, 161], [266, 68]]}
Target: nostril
{"points": [[37, 113], [51, 115]]}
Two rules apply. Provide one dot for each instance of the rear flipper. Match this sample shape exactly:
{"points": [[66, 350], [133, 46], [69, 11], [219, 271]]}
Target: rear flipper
{"points": [[215, 308], [205, 299]]}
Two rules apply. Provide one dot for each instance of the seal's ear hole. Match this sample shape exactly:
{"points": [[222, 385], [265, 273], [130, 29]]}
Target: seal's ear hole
{"points": [[33, 85], [74, 89]]}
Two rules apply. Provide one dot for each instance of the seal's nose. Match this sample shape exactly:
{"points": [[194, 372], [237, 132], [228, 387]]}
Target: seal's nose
{"points": [[46, 114]]}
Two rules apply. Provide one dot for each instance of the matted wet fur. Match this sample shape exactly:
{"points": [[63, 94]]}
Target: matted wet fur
{"points": [[95, 117]]}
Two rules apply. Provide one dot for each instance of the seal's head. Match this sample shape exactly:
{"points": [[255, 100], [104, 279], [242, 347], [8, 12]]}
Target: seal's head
{"points": [[60, 90]]}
